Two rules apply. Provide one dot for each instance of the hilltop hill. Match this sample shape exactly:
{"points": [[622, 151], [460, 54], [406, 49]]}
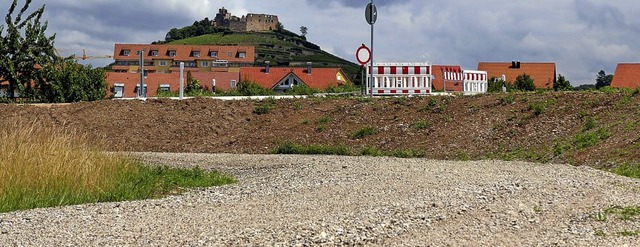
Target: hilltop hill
{"points": [[281, 47]]}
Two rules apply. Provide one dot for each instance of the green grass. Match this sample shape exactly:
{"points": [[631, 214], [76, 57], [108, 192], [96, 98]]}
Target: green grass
{"points": [[628, 170], [364, 132], [44, 167], [590, 138], [421, 124], [293, 148], [262, 109]]}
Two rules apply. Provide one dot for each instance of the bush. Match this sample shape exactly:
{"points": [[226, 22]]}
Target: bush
{"points": [[262, 109], [364, 132], [293, 148], [524, 82]]}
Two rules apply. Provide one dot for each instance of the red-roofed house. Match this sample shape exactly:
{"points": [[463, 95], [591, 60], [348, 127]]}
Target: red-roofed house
{"points": [[543, 74], [627, 76], [281, 79], [167, 58], [125, 85]]}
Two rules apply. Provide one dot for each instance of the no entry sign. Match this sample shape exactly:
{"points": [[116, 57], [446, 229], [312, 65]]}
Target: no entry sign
{"points": [[363, 55]]}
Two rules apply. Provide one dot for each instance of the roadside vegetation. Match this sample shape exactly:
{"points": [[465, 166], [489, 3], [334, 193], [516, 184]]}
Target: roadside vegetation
{"points": [[45, 167]]}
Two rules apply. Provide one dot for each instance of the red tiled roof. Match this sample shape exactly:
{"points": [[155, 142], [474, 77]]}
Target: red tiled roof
{"points": [[154, 80], [627, 76], [320, 78], [185, 52], [543, 74], [456, 86]]}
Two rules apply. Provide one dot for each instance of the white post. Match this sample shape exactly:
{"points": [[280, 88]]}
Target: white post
{"points": [[213, 90], [181, 80]]}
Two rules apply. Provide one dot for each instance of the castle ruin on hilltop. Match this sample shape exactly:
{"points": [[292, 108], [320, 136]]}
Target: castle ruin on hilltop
{"points": [[248, 23]]}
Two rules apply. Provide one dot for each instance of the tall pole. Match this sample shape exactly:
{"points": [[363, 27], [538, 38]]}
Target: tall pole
{"points": [[141, 87], [181, 93], [371, 67]]}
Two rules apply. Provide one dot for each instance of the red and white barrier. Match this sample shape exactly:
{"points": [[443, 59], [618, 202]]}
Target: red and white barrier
{"points": [[399, 79], [475, 82]]}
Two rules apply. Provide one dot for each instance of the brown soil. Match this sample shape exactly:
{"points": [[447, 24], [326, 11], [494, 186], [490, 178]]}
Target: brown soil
{"points": [[542, 127]]}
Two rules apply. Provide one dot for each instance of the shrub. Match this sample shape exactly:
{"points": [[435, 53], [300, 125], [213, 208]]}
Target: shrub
{"points": [[293, 148], [371, 151], [537, 108], [364, 132], [507, 100], [421, 124], [524, 82], [262, 109]]}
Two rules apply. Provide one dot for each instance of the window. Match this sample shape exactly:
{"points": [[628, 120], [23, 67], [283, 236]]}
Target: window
{"points": [[138, 53], [195, 54], [172, 53], [214, 54], [144, 91], [154, 53], [242, 54], [118, 90], [230, 54], [126, 52], [163, 63], [204, 64], [233, 83], [190, 64], [164, 88]]}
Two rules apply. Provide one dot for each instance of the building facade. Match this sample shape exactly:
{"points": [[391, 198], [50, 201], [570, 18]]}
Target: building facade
{"points": [[543, 74], [167, 58]]}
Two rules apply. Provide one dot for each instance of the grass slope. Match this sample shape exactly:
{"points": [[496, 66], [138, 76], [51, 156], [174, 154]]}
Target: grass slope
{"points": [[281, 49]]}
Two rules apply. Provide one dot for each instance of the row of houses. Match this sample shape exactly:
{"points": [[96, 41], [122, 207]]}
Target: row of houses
{"points": [[223, 67]]}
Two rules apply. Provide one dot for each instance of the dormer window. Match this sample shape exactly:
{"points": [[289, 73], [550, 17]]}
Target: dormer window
{"points": [[214, 54], [154, 53], [126, 52], [242, 54], [172, 53], [195, 53]]}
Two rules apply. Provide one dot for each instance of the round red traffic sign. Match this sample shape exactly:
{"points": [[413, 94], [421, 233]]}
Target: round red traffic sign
{"points": [[363, 55]]}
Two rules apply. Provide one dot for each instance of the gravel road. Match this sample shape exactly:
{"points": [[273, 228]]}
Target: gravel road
{"points": [[285, 200]]}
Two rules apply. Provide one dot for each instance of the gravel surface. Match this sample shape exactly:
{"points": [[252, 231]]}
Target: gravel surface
{"points": [[326, 200]]}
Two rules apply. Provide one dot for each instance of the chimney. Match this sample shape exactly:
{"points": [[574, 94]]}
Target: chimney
{"points": [[266, 67], [518, 64], [309, 67]]}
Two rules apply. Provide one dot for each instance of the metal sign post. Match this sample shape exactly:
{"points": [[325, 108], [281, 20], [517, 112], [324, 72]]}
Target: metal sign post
{"points": [[371, 15], [141, 93]]}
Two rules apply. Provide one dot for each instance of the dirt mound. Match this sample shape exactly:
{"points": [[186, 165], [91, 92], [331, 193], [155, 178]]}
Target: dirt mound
{"points": [[592, 128]]}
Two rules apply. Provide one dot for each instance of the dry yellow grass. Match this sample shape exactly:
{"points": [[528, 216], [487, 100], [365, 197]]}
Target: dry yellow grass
{"points": [[40, 163]]}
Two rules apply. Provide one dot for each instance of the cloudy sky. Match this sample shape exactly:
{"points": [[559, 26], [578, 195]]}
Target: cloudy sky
{"points": [[581, 36]]}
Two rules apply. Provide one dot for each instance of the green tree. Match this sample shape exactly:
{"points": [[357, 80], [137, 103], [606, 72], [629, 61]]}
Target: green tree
{"points": [[68, 81], [23, 47], [193, 85], [524, 82], [603, 80], [495, 85], [562, 84]]}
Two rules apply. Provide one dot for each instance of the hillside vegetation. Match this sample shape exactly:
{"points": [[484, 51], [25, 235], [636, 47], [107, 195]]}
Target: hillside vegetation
{"points": [[281, 48]]}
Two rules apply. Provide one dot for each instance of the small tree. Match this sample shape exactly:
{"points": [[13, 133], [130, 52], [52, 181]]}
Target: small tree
{"points": [[562, 84], [303, 31], [193, 85], [23, 45], [495, 85], [524, 82], [603, 80], [68, 81]]}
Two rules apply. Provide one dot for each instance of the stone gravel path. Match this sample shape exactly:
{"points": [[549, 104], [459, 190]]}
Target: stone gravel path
{"points": [[285, 200]]}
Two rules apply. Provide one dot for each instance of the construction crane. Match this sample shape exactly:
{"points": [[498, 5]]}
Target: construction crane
{"points": [[84, 55]]}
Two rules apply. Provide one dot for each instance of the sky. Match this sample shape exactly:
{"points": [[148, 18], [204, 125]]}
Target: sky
{"points": [[581, 36]]}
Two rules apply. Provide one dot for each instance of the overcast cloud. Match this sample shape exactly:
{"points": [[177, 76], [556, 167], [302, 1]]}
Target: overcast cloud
{"points": [[581, 36]]}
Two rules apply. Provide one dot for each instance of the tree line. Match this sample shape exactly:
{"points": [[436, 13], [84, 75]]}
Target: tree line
{"points": [[31, 71], [524, 82]]}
